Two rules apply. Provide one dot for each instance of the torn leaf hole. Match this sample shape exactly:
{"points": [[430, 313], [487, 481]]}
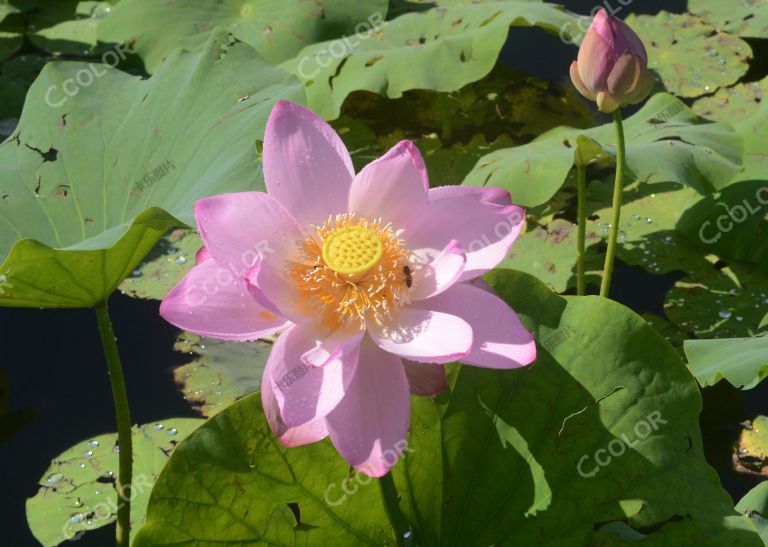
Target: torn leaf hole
{"points": [[338, 71], [50, 155]]}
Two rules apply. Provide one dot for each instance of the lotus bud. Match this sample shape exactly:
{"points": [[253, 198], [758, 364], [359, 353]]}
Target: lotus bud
{"points": [[612, 65]]}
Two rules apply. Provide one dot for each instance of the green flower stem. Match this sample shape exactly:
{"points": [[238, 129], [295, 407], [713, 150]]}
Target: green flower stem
{"points": [[444, 104], [392, 507], [123, 415], [618, 188], [581, 283]]}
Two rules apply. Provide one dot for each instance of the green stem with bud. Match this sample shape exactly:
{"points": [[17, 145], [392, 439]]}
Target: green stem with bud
{"points": [[581, 175], [618, 188]]}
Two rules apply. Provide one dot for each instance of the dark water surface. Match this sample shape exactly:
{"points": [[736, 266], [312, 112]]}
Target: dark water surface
{"points": [[55, 367]]}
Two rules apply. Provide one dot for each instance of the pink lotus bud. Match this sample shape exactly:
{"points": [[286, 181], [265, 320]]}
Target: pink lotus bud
{"points": [[612, 65]]}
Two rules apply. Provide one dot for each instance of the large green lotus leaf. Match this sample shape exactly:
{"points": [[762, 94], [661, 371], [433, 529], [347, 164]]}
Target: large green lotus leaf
{"points": [[442, 49], [741, 361], [221, 372], [732, 224], [495, 462], [509, 457], [669, 331], [745, 106], [755, 506], [89, 185], [170, 260], [231, 481], [277, 29], [692, 57], [666, 141], [748, 18], [77, 492]]}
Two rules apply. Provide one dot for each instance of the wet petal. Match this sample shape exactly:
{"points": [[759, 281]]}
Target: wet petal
{"points": [[394, 187], [500, 339], [485, 231], [369, 426], [210, 301], [304, 393], [440, 274], [306, 166], [239, 228], [424, 335], [308, 433]]}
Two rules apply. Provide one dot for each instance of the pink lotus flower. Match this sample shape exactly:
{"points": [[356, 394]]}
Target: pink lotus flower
{"points": [[612, 65], [367, 279]]}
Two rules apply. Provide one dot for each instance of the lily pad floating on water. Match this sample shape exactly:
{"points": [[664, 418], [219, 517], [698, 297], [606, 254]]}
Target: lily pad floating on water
{"points": [[89, 184], [745, 106], [221, 373], [751, 452], [719, 299], [164, 266], [747, 18], [693, 58], [77, 492]]}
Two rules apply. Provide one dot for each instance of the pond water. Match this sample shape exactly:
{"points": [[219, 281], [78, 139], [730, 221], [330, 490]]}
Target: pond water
{"points": [[55, 369]]}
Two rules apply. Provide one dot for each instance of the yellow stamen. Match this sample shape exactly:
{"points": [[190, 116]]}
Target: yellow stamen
{"points": [[351, 271]]}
